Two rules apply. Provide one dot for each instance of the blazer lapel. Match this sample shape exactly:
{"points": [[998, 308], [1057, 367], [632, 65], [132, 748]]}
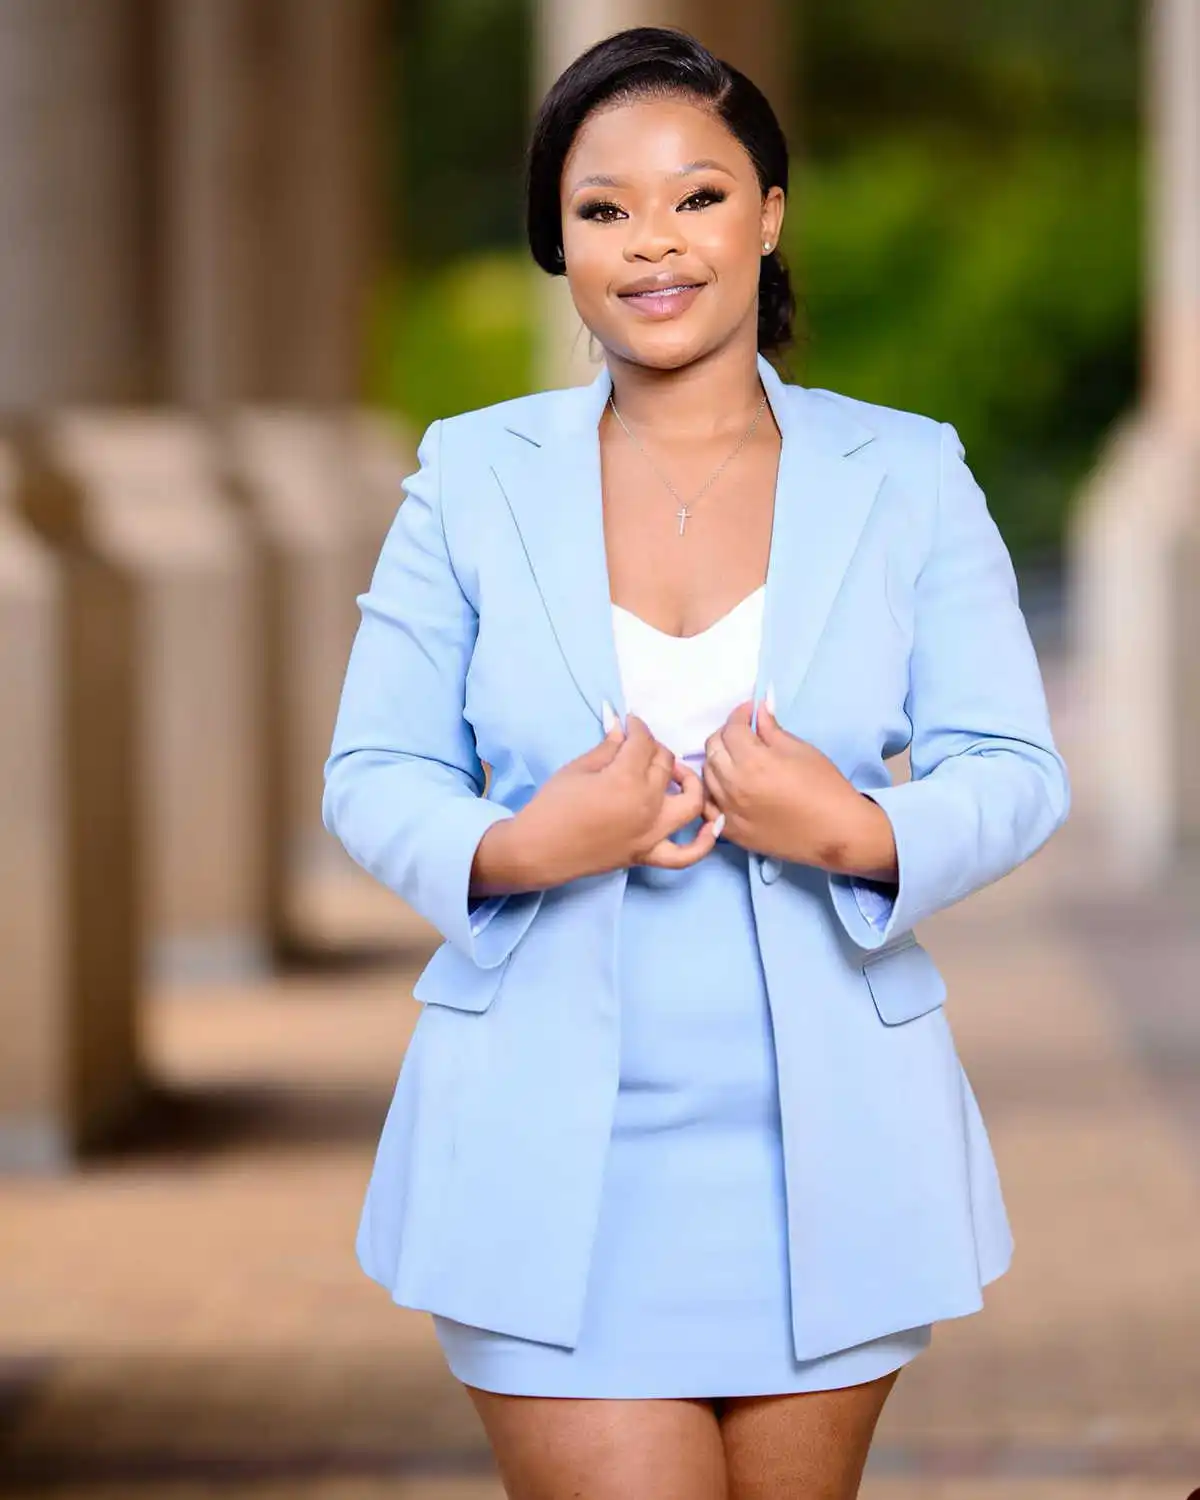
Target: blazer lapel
{"points": [[829, 474], [550, 477]]}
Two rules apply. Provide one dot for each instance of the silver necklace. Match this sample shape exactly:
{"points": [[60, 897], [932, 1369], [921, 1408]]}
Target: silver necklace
{"points": [[683, 512]]}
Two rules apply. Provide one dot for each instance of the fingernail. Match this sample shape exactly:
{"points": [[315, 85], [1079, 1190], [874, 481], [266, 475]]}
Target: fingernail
{"points": [[769, 698], [718, 825], [608, 715]]}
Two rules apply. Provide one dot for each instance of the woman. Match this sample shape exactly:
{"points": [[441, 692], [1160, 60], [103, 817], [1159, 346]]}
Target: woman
{"points": [[682, 1132]]}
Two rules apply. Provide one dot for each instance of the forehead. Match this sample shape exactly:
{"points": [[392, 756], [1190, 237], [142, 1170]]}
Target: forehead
{"points": [[651, 138]]}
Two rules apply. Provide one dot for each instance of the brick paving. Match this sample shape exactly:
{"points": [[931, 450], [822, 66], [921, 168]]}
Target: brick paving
{"points": [[186, 1319]]}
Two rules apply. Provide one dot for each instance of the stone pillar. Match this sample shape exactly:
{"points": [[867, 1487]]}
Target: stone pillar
{"points": [[72, 900], [36, 1117], [384, 454], [217, 197], [268, 192], [749, 35], [73, 306], [1135, 543], [296, 474], [325, 128], [135, 494]]}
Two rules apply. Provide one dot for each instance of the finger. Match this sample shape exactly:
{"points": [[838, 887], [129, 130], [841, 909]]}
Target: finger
{"points": [[716, 751], [640, 743], [680, 809], [718, 778], [685, 774], [739, 739], [661, 768], [602, 754], [737, 732], [769, 730], [672, 856]]}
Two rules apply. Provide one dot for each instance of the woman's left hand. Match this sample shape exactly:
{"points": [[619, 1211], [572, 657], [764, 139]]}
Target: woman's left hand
{"points": [[782, 797]]}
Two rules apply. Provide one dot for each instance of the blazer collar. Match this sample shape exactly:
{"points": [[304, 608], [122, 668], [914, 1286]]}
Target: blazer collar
{"points": [[829, 473]]}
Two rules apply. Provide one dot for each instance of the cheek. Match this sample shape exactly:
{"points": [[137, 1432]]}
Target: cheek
{"points": [[731, 251], [590, 272]]}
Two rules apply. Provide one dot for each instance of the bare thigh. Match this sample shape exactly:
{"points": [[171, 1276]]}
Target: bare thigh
{"points": [[567, 1448], [809, 1446]]}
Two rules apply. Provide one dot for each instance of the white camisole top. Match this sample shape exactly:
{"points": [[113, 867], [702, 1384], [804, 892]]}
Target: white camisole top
{"points": [[685, 687]]}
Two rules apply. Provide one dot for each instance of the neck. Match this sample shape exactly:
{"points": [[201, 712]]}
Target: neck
{"points": [[714, 396]]}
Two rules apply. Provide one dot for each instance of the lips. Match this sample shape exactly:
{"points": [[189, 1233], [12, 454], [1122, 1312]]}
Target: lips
{"points": [[663, 301]]}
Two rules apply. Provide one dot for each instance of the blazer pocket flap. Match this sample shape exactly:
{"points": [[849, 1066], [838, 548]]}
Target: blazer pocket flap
{"points": [[450, 978], [905, 983]]}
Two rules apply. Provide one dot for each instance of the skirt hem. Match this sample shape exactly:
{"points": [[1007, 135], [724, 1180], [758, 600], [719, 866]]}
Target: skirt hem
{"points": [[720, 1380]]}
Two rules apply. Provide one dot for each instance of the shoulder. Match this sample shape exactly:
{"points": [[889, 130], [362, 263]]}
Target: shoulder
{"points": [[893, 426], [487, 424], [916, 449]]}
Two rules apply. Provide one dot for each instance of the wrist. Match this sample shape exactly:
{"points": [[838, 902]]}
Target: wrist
{"points": [[505, 861], [867, 851]]}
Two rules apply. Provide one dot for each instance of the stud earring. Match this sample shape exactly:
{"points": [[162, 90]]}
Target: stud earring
{"points": [[767, 246]]}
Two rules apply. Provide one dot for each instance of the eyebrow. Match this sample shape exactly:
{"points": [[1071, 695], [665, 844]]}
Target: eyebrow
{"points": [[601, 179]]}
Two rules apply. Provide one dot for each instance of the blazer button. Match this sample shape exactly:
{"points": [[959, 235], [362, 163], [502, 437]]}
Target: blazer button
{"points": [[771, 869]]}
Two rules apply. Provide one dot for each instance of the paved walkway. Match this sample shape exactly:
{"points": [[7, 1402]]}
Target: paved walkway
{"points": [[187, 1319]]}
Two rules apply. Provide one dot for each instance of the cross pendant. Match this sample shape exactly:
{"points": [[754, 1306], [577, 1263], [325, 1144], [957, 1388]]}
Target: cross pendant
{"points": [[683, 513]]}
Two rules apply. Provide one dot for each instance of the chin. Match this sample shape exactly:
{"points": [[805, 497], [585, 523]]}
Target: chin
{"points": [[662, 352]]}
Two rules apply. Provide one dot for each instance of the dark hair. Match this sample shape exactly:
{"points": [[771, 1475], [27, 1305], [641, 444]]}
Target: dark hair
{"points": [[664, 61]]}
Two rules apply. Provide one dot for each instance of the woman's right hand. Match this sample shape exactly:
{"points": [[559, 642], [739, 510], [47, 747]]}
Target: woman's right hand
{"points": [[611, 807]]}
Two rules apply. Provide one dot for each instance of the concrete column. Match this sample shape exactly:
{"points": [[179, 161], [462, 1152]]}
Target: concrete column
{"points": [[71, 896], [77, 322], [36, 1124], [383, 453], [1135, 544], [218, 197], [326, 171], [298, 477], [749, 35], [269, 196], [135, 493]]}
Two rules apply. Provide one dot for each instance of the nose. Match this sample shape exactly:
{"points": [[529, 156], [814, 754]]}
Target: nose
{"points": [[653, 235]]}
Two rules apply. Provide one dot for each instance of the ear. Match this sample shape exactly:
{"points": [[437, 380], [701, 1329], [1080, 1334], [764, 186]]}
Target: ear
{"points": [[771, 223]]}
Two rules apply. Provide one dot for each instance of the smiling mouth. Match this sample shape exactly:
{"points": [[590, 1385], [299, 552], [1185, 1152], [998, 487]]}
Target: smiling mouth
{"points": [[657, 292]]}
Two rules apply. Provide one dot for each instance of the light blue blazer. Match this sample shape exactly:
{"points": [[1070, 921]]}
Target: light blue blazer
{"points": [[891, 620]]}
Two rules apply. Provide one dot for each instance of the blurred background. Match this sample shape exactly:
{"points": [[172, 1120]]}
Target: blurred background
{"points": [[248, 250]]}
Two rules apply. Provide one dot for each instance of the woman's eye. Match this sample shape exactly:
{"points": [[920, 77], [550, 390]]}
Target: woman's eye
{"points": [[702, 197], [601, 212]]}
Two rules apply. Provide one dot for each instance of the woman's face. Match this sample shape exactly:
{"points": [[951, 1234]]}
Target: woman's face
{"points": [[659, 194]]}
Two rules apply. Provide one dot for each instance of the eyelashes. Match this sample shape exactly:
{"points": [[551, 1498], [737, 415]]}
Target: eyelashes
{"points": [[602, 210]]}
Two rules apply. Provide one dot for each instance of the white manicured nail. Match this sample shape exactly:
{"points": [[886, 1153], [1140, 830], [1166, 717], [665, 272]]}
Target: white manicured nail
{"points": [[769, 698], [608, 715], [718, 825]]}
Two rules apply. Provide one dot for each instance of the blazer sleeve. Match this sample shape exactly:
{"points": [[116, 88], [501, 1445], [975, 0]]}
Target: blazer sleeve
{"points": [[403, 781], [988, 785]]}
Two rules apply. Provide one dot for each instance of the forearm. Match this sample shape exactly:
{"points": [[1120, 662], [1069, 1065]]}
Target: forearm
{"points": [[506, 862], [866, 849]]}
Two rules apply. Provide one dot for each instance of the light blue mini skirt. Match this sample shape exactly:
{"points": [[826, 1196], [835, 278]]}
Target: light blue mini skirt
{"points": [[688, 1291]]}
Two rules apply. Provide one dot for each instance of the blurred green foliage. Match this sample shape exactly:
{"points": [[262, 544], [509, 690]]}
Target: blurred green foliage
{"points": [[458, 115], [964, 224], [1000, 294], [451, 339]]}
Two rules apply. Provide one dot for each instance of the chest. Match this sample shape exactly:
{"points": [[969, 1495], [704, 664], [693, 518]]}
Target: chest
{"points": [[681, 556], [837, 547], [685, 687]]}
